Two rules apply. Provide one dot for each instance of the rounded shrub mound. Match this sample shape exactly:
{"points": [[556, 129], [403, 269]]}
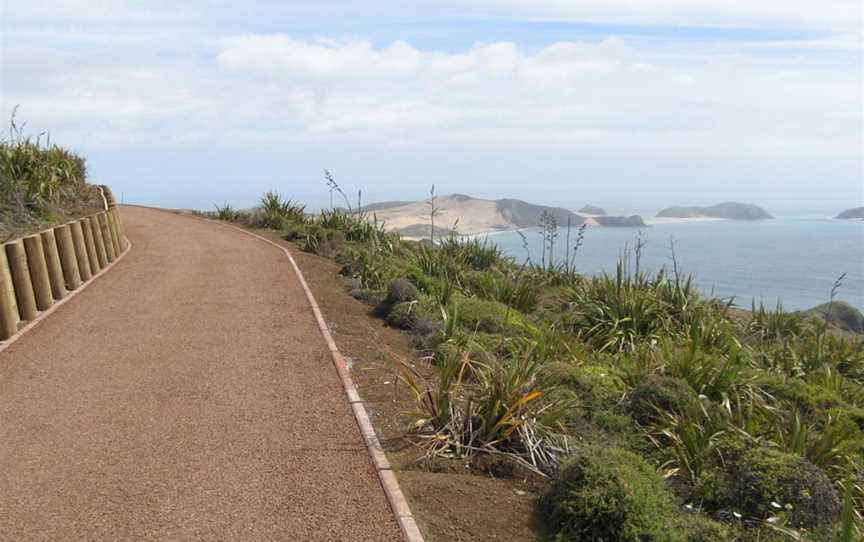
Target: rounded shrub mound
{"points": [[759, 482], [610, 494], [664, 393], [403, 315], [596, 384], [401, 291]]}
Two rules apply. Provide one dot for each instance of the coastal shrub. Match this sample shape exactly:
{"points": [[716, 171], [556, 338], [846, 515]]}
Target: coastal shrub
{"points": [[698, 528], [502, 409], [660, 393], [357, 227], [686, 443], [606, 494], [519, 289], [421, 280], [276, 212], [484, 347], [760, 483], [368, 296], [489, 316], [373, 268], [39, 179], [403, 315], [401, 290], [714, 375], [767, 324], [596, 385], [472, 252], [427, 334], [226, 212], [618, 313], [810, 399]]}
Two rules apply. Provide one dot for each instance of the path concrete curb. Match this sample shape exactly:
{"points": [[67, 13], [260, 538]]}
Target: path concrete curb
{"points": [[395, 497]]}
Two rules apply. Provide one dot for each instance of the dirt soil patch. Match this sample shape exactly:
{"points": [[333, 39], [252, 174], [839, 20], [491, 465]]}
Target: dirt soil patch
{"points": [[451, 500]]}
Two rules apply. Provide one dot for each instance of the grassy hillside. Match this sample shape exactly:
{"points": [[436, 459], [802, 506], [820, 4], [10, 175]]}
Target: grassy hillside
{"points": [[40, 184], [652, 412]]}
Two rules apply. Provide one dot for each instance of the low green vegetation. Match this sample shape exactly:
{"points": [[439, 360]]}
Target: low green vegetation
{"points": [[655, 413], [40, 184]]}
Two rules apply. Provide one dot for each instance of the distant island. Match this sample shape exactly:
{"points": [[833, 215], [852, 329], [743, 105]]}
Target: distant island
{"points": [[728, 211], [851, 214], [467, 215], [593, 210]]}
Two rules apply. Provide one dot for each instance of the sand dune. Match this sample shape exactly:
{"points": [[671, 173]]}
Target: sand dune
{"points": [[467, 215]]}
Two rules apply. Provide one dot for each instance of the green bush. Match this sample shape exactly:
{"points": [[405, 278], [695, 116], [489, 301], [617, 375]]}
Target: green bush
{"points": [[759, 482], [595, 384], [401, 291], [368, 296], [701, 529], [811, 399], [519, 289], [490, 316], [403, 315], [610, 494], [661, 392], [277, 212], [41, 183], [619, 313]]}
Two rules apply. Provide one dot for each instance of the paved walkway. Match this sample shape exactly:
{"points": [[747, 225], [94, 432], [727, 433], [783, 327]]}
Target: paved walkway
{"points": [[186, 395]]}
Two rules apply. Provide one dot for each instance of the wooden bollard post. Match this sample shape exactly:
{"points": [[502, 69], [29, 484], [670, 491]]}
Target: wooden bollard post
{"points": [[67, 256], [121, 229], [90, 245], [106, 237], [21, 280], [38, 271], [55, 269], [101, 255], [115, 233], [80, 251], [8, 306]]}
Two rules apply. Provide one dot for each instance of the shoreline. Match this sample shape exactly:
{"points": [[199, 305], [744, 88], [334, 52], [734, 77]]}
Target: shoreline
{"points": [[656, 220]]}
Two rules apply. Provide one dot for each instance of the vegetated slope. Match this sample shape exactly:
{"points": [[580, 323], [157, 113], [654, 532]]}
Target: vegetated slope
{"points": [[468, 215], [839, 314], [856, 212], [592, 210], [381, 205], [728, 210], [522, 214], [41, 184], [721, 424]]}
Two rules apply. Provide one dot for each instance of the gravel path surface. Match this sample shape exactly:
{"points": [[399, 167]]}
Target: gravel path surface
{"points": [[186, 395]]}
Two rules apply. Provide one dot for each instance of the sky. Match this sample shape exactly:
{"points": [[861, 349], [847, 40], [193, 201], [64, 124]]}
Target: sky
{"points": [[630, 104]]}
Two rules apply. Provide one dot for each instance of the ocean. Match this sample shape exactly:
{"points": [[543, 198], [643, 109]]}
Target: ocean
{"points": [[795, 261]]}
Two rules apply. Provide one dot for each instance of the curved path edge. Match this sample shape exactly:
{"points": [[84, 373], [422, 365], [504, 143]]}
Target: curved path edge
{"points": [[57, 304], [395, 497]]}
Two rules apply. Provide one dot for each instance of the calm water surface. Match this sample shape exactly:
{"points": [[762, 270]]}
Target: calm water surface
{"points": [[793, 260]]}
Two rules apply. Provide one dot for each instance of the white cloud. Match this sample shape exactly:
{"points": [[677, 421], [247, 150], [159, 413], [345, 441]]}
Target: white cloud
{"points": [[566, 95], [560, 89]]}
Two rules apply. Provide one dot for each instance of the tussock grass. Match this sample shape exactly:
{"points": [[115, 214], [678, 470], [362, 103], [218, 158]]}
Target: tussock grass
{"points": [[40, 182]]}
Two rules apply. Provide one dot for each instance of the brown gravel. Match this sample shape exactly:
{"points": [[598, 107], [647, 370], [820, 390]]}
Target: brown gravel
{"points": [[187, 394]]}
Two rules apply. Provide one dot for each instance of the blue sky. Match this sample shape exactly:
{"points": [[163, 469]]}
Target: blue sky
{"points": [[631, 105]]}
